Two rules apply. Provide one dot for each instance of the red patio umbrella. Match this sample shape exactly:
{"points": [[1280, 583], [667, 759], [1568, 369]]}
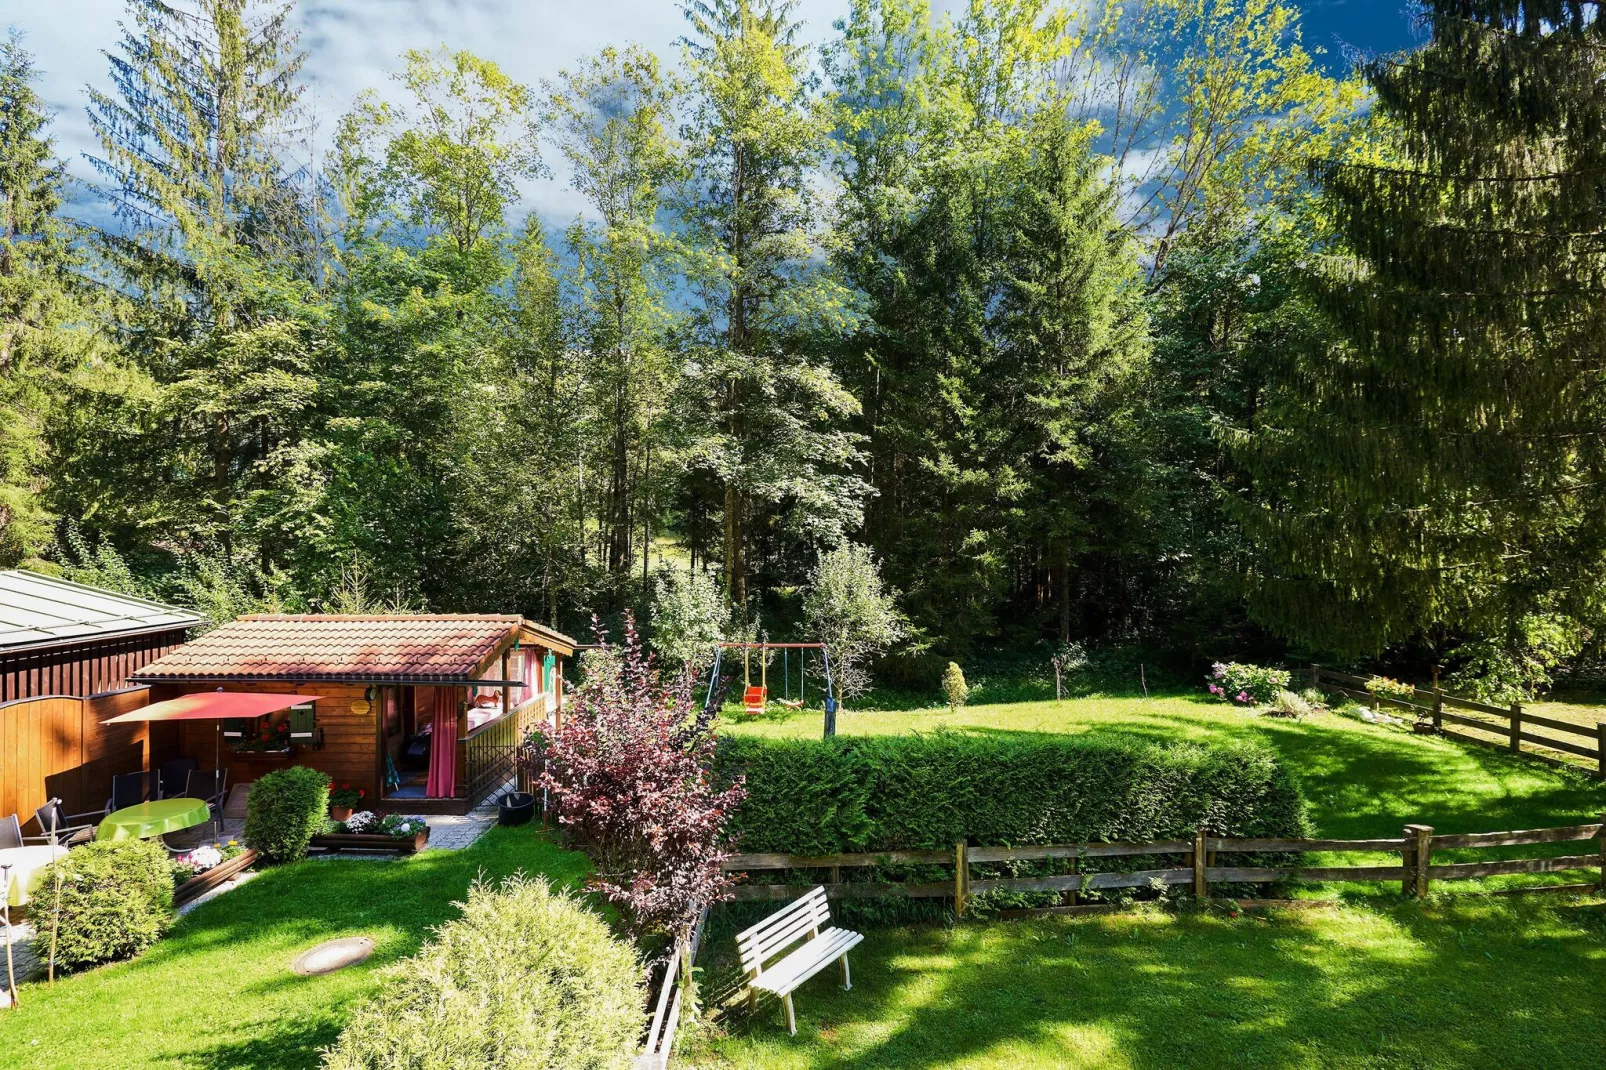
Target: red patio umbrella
{"points": [[217, 706]]}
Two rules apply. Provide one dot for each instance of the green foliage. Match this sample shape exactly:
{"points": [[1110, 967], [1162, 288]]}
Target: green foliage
{"points": [[1386, 687], [1519, 666], [116, 901], [526, 977], [285, 809], [688, 615], [850, 610], [930, 791], [1246, 684], [1288, 704], [954, 689]]}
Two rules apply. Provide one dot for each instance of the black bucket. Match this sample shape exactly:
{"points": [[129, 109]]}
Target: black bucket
{"points": [[515, 808]]}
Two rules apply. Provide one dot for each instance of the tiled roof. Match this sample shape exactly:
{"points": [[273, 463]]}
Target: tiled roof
{"points": [[312, 647], [40, 610]]}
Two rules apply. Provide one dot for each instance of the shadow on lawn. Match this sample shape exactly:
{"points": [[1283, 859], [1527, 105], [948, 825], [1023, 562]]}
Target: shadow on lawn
{"points": [[1442, 985]]}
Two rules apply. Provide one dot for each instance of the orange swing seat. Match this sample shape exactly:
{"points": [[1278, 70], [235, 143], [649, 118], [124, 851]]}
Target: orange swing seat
{"points": [[755, 699]]}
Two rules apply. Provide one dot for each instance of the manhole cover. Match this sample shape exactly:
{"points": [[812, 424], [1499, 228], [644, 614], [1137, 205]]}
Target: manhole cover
{"points": [[333, 955]]}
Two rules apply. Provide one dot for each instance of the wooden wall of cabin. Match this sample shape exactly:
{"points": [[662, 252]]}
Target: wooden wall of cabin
{"points": [[87, 668], [56, 747], [349, 733]]}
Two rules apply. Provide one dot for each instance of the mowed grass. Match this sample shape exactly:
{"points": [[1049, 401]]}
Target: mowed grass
{"points": [[218, 991], [1458, 983], [1461, 980]]}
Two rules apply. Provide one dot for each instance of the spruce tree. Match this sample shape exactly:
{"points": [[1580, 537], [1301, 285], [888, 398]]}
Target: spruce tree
{"points": [[1434, 457]]}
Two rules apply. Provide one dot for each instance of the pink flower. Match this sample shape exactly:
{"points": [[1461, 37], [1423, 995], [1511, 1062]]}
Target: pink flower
{"points": [[1243, 696], [1214, 690]]}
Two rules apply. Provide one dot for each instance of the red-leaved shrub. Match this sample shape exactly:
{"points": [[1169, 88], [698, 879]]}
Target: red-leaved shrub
{"points": [[629, 776]]}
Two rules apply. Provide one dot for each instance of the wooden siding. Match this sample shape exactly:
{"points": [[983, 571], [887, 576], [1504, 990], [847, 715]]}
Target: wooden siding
{"points": [[350, 740], [55, 746], [84, 668]]}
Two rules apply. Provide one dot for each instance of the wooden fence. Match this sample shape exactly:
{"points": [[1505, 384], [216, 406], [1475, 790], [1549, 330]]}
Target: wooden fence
{"points": [[1199, 867], [660, 1042], [1516, 724]]}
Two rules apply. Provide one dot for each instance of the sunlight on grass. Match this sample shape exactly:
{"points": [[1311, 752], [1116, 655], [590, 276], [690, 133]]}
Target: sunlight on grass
{"points": [[218, 991]]}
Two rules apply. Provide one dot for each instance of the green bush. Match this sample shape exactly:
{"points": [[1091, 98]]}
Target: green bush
{"points": [[954, 690], [116, 901], [874, 793], [285, 809], [1246, 685], [526, 977]]}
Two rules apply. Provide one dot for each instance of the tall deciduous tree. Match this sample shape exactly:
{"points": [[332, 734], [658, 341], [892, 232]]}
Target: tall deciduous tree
{"points": [[609, 118], [1437, 458], [775, 412]]}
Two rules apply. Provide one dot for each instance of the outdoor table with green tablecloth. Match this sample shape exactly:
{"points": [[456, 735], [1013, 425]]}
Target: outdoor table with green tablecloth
{"points": [[153, 818], [28, 865]]}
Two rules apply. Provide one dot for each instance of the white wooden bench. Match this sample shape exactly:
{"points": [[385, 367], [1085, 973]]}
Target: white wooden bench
{"points": [[803, 920]]}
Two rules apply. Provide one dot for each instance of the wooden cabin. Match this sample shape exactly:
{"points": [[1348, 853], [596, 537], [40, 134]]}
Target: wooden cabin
{"points": [[66, 654], [389, 690]]}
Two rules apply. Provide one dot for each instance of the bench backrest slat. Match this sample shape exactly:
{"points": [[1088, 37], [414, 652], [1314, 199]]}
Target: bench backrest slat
{"points": [[778, 932]]}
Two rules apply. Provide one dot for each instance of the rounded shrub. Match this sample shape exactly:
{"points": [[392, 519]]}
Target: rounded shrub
{"points": [[116, 900], [954, 689], [526, 977], [285, 809]]}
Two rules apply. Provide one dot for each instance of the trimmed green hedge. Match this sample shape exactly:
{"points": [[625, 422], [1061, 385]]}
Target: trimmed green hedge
{"points": [[878, 793], [286, 808]]}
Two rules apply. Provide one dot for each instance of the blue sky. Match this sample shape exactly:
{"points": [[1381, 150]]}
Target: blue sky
{"points": [[352, 44]]}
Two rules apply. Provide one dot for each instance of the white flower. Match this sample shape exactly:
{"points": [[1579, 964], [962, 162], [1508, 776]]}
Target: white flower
{"points": [[361, 820]]}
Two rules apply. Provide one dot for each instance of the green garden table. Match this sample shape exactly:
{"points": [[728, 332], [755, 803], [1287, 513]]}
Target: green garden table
{"points": [[153, 818]]}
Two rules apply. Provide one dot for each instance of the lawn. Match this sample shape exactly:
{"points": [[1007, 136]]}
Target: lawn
{"points": [[218, 992], [1461, 980]]}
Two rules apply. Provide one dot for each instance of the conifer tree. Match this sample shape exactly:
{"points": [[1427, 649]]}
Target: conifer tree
{"points": [[1436, 457], [212, 237]]}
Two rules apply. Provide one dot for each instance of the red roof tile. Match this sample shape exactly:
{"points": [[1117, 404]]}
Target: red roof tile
{"points": [[323, 647]]}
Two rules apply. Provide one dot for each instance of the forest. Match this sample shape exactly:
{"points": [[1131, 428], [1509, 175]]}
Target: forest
{"points": [[1121, 326]]}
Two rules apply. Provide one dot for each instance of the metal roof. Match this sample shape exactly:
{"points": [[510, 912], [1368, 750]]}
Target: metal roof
{"points": [[40, 610]]}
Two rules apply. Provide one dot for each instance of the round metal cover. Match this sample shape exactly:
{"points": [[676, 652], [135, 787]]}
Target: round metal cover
{"points": [[333, 955]]}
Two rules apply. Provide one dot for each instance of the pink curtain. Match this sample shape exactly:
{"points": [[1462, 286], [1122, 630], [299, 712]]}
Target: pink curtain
{"points": [[442, 782]]}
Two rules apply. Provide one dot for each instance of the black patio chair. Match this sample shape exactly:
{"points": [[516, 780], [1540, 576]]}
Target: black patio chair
{"points": [[173, 776], [59, 828], [210, 786], [128, 789], [10, 832]]}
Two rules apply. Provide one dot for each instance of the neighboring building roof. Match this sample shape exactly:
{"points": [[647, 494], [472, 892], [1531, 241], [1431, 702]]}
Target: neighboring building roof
{"points": [[40, 610], [401, 649]]}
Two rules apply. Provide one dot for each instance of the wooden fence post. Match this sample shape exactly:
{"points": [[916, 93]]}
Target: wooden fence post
{"points": [[961, 878], [1600, 748], [1438, 702], [1603, 853], [1418, 852], [1201, 889], [1315, 675], [1516, 728]]}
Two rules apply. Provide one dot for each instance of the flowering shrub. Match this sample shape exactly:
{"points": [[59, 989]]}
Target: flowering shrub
{"points": [[629, 775], [1383, 687], [271, 737], [1246, 685], [347, 797], [402, 828], [361, 821], [204, 858]]}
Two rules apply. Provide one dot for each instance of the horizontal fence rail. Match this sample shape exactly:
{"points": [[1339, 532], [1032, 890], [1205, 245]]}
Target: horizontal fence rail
{"points": [[1199, 867], [1515, 723]]}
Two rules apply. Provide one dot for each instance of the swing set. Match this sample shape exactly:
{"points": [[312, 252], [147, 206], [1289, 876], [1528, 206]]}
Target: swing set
{"points": [[756, 698]]}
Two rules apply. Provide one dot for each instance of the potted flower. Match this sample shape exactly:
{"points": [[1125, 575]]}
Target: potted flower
{"points": [[344, 800], [271, 741]]}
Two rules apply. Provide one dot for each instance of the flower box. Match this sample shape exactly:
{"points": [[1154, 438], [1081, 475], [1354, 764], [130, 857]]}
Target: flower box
{"points": [[205, 882], [263, 755], [370, 841]]}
